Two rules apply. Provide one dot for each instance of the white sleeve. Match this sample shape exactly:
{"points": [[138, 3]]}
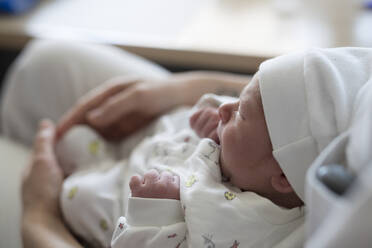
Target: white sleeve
{"points": [[151, 223]]}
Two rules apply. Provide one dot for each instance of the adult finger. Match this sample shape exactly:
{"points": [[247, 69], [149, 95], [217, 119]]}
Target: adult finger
{"points": [[43, 151], [44, 140], [77, 114], [42, 178], [124, 127], [117, 106]]}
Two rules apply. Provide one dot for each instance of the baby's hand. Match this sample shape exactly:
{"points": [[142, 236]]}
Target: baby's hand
{"points": [[156, 185], [205, 122]]}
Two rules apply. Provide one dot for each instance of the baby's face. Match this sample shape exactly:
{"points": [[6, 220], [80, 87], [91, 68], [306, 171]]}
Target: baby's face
{"points": [[245, 141]]}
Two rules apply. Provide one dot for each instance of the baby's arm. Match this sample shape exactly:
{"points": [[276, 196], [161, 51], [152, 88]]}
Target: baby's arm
{"points": [[205, 122], [154, 216]]}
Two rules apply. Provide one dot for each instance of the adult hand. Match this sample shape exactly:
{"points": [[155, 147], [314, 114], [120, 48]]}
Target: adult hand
{"points": [[42, 224], [42, 179], [119, 107], [156, 185]]}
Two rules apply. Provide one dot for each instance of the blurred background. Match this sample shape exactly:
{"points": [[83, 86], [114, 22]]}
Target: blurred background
{"points": [[228, 35]]}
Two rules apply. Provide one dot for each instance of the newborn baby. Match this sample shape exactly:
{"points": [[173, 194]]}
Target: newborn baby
{"points": [[186, 191]]}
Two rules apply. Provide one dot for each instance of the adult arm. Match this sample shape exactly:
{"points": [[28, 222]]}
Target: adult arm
{"points": [[42, 224], [121, 106]]}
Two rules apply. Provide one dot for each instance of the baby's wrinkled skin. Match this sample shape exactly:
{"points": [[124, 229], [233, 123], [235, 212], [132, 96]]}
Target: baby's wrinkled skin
{"points": [[246, 157]]}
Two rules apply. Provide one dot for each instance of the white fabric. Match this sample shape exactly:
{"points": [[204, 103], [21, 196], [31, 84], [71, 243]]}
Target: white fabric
{"points": [[349, 220], [151, 223], [358, 152], [46, 79], [308, 100], [345, 221], [319, 198], [163, 212], [210, 211]]}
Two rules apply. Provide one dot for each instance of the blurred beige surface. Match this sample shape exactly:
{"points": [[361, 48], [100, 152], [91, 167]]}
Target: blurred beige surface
{"points": [[220, 34], [13, 158]]}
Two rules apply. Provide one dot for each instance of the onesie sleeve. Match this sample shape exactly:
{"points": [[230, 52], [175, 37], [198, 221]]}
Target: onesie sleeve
{"points": [[151, 223]]}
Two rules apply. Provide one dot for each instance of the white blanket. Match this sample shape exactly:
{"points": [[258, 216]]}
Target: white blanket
{"points": [[343, 221]]}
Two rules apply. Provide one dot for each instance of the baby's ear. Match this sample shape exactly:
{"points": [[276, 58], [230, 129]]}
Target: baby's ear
{"points": [[281, 184]]}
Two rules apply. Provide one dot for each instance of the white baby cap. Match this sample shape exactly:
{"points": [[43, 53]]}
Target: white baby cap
{"points": [[308, 100], [283, 95]]}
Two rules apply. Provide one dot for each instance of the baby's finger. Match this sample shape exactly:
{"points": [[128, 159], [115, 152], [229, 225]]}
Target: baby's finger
{"points": [[166, 176], [135, 182], [151, 176], [210, 126], [194, 117], [201, 122]]}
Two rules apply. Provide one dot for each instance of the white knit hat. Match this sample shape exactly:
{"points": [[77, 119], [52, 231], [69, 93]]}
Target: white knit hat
{"points": [[283, 97], [308, 101]]}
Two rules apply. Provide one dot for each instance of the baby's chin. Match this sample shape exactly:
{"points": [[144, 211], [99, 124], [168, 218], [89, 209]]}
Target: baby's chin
{"points": [[225, 178]]}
